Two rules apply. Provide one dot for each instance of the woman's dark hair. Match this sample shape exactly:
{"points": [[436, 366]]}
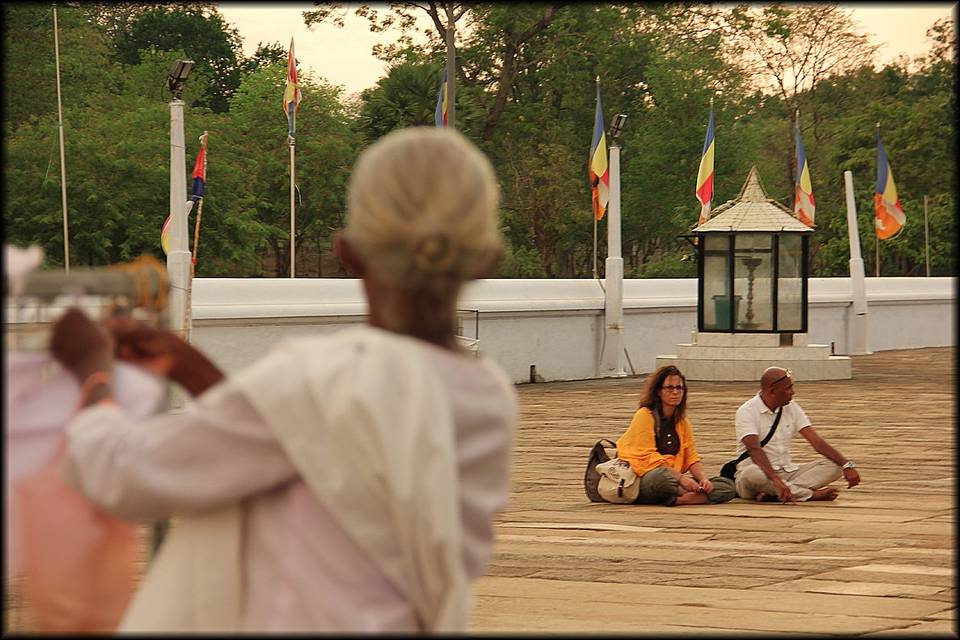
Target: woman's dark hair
{"points": [[650, 398]]}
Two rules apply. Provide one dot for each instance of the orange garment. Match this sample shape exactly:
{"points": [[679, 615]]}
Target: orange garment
{"points": [[79, 563], [638, 445]]}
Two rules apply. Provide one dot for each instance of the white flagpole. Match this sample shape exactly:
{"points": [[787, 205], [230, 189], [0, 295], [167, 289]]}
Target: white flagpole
{"points": [[858, 328], [612, 356], [63, 164]]}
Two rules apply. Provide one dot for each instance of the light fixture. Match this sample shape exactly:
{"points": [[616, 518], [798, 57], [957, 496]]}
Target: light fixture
{"points": [[616, 127], [178, 75]]}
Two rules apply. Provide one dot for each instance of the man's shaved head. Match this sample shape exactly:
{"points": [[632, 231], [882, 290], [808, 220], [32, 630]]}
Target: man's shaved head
{"points": [[772, 375]]}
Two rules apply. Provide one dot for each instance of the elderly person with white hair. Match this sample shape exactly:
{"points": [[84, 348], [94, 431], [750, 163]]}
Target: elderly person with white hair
{"points": [[343, 483]]}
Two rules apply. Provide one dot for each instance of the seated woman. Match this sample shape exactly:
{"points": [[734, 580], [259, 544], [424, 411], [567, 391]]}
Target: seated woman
{"points": [[660, 447]]}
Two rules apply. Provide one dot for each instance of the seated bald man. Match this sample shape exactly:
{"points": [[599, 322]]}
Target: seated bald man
{"points": [[768, 473]]}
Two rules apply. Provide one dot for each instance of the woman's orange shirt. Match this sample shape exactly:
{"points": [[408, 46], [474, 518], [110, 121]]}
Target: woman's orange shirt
{"points": [[638, 445]]}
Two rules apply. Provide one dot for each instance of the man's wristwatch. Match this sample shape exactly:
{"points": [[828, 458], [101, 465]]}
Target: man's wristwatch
{"points": [[849, 464]]}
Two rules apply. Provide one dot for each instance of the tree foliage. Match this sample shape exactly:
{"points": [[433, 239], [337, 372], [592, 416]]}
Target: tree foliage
{"points": [[526, 85]]}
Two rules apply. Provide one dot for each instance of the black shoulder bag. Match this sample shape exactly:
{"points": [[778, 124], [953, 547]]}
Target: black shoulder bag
{"points": [[591, 477], [730, 469]]}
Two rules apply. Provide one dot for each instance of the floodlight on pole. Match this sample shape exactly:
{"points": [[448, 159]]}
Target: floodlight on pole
{"points": [[178, 255], [616, 126], [178, 75], [611, 359]]}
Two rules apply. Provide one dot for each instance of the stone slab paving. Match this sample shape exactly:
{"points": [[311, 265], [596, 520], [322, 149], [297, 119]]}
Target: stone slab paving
{"points": [[878, 561]]}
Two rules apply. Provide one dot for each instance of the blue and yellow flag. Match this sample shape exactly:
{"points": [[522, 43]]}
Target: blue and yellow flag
{"points": [[705, 173], [890, 216], [291, 94], [440, 113], [599, 171], [803, 203]]}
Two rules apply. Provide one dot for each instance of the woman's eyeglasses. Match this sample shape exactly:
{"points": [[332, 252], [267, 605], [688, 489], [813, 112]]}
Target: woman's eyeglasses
{"points": [[671, 388]]}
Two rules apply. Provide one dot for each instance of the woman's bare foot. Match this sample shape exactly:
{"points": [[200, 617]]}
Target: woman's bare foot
{"points": [[691, 497], [825, 493]]}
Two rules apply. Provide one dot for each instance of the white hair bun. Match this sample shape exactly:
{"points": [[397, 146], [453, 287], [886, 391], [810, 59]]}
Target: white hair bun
{"points": [[421, 209]]}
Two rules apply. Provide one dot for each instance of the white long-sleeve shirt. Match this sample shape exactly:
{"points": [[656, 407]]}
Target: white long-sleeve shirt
{"points": [[301, 570]]}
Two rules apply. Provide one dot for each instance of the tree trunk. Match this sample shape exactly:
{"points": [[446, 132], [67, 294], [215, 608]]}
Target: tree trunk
{"points": [[503, 91], [319, 258], [281, 267]]}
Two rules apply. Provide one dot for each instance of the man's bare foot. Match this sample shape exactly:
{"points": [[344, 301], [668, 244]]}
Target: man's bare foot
{"points": [[825, 493], [765, 497]]}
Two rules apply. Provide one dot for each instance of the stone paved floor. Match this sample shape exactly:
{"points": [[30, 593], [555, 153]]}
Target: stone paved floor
{"points": [[879, 560]]}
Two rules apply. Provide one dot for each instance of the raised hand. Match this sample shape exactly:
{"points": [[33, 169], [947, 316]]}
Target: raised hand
{"points": [[144, 346], [80, 344], [165, 353]]}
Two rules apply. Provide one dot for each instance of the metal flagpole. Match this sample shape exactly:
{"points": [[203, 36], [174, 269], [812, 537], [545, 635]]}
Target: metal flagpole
{"points": [[876, 258], [293, 230], [451, 69], [594, 245], [63, 164], [188, 322], [926, 234], [196, 226], [291, 100], [876, 236]]}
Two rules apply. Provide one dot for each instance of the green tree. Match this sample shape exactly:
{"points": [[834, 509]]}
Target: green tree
{"points": [[197, 29], [265, 55], [117, 156], [793, 48], [260, 160], [406, 96], [87, 75]]}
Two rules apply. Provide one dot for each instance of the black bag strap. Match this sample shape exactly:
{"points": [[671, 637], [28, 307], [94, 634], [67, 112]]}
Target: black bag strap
{"points": [[766, 438], [613, 445]]}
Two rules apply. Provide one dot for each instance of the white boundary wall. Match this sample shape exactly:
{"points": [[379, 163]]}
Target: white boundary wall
{"points": [[557, 325]]}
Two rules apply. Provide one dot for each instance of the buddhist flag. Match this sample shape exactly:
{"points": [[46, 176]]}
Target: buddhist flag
{"points": [[165, 229], [165, 235], [440, 113], [803, 205], [890, 216], [599, 172], [705, 175], [200, 171], [291, 95]]}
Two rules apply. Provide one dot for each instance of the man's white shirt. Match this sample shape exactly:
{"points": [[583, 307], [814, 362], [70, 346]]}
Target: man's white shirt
{"points": [[755, 418]]}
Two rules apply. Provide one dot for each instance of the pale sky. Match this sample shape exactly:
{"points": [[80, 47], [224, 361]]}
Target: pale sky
{"points": [[344, 56]]}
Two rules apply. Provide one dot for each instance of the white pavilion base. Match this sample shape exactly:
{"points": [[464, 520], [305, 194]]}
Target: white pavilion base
{"points": [[744, 356]]}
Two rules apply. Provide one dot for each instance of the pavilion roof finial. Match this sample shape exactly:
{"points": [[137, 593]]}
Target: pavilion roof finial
{"points": [[752, 190]]}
